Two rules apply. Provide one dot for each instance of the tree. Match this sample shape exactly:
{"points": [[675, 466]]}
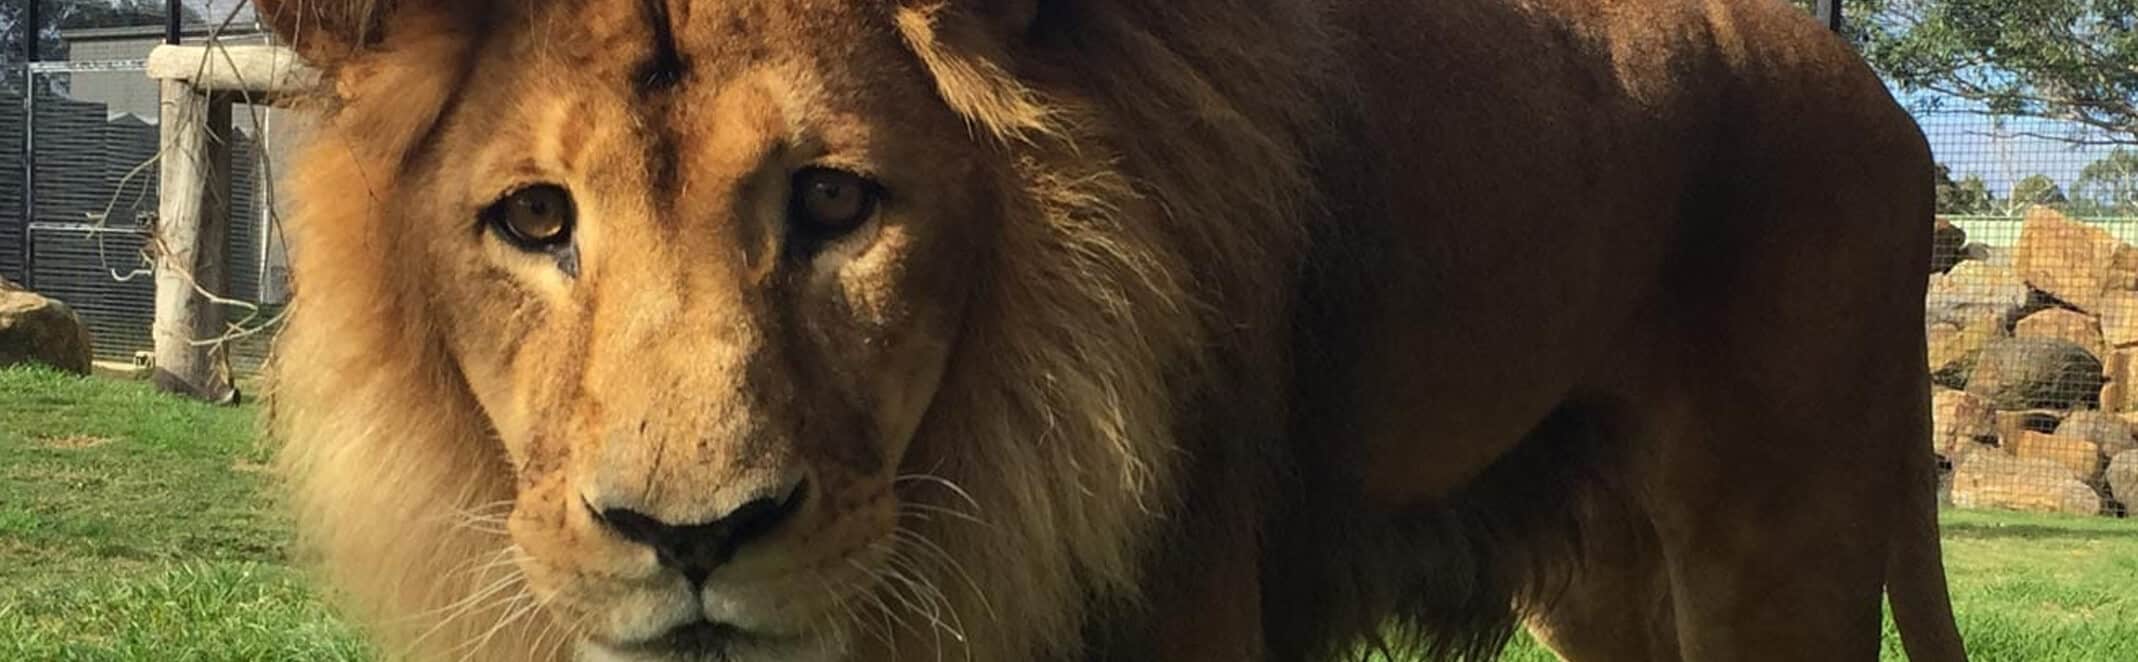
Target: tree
{"points": [[2037, 190], [2066, 60], [2109, 186], [57, 15], [1969, 195]]}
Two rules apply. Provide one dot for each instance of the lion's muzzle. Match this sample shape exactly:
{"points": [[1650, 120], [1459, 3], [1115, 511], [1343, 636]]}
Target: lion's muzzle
{"points": [[696, 549]]}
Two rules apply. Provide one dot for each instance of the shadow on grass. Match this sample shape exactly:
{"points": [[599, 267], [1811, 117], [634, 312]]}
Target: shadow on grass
{"points": [[1975, 531]]}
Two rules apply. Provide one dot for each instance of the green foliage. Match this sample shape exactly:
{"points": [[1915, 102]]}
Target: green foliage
{"points": [[2037, 190], [2067, 60], [2109, 186], [1969, 195], [56, 15]]}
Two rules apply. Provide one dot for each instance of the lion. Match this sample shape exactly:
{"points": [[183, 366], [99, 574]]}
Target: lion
{"points": [[1080, 330]]}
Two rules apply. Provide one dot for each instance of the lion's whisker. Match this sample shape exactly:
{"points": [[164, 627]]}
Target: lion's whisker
{"points": [[944, 482], [957, 514], [878, 581], [944, 558], [520, 605], [473, 602]]}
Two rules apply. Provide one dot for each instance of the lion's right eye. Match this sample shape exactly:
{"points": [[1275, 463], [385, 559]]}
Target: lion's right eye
{"points": [[535, 218]]}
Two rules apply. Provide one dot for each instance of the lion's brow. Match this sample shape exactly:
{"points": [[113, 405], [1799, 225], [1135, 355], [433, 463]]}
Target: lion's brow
{"points": [[665, 67], [655, 80]]}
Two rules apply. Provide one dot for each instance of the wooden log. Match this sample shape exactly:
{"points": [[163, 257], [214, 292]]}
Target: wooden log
{"points": [[192, 236]]}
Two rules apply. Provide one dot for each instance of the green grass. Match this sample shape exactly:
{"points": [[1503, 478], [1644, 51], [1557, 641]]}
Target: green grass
{"points": [[134, 526]]}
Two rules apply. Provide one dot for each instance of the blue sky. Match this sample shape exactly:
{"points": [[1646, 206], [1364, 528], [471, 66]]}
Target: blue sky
{"points": [[1998, 153], [1972, 145]]}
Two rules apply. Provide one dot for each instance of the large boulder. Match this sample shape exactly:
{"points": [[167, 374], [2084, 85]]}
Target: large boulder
{"points": [[2010, 423], [1996, 480], [2063, 324], [2075, 262], [1946, 243], [1955, 346], [1958, 420], [2119, 393], [35, 328], [2123, 478], [2036, 373], [2081, 459], [1990, 283], [2111, 433], [2119, 318]]}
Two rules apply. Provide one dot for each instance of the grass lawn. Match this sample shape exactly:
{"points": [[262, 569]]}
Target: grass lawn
{"points": [[139, 527]]}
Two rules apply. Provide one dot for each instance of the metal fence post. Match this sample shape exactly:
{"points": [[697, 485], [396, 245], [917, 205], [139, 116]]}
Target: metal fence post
{"points": [[173, 21], [31, 35], [1830, 14]]}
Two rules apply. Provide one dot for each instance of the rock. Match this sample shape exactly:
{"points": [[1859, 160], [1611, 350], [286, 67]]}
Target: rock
{"points": [[2119, 391], [1978, 251], [2122, 478], [2080, 459], [2011, 423], [2073, 261], [1946, 241], [2033, 373], [1962, 450], [2119, 318], [1989, 283], [1997, 480], [2111, 433], [1955, 347], [1958, 419], [34, 328], [2063, 324]]}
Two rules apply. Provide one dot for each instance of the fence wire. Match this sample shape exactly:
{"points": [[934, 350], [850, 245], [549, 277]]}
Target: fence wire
{"points": [[79, 142], [2031, 318]]}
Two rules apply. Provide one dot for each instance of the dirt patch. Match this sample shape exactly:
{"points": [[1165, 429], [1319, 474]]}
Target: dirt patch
{"points": [[74, 441]]}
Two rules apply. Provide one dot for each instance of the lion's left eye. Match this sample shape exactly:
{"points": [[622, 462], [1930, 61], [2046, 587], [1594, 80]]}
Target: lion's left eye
{"points": [[827, 202]]}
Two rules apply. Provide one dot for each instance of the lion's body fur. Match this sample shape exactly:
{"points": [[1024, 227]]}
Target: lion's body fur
{"points": [[1306, 326]]}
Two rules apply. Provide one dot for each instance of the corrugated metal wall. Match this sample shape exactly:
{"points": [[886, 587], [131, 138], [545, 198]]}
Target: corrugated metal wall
{"points": [[69, 265], [11, 179]]}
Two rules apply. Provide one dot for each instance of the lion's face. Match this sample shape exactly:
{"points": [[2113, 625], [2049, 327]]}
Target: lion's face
{"points": [[703, 283]]}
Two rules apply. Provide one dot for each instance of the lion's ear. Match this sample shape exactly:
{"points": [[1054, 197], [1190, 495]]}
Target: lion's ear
{"points": [[325, 32]]}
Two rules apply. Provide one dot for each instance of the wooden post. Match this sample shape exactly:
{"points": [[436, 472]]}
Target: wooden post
{"points": [[193, 212], [192, 236]]}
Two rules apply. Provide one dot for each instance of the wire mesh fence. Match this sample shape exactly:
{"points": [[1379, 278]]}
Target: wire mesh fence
{"points": [[2032, 309], [2031, 318]]}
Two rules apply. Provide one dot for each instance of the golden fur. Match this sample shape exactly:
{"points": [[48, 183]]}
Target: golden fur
{"points": [[1125, 371]]}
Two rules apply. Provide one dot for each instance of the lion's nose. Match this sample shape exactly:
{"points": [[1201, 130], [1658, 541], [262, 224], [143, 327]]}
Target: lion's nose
{"points": [[697, 549]]}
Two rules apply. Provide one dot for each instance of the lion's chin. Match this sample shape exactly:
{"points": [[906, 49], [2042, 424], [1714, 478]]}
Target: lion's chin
{"points": [[718, 647]]}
